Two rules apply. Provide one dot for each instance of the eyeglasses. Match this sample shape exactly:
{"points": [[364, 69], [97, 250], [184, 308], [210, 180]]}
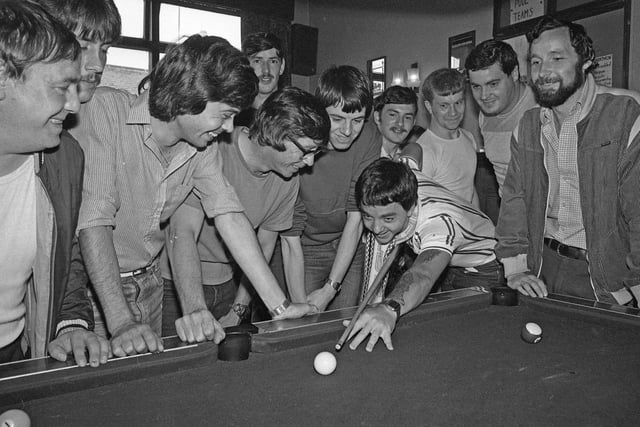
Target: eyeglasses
{"points": [[306, 153]]}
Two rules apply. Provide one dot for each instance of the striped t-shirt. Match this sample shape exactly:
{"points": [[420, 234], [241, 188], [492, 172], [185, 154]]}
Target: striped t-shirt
{"points": [[445, 222]]}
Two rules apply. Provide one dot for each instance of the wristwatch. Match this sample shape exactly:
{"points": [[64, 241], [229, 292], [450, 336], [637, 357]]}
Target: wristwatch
{"points": [[393, 305], [335, 285], [278, 310], [241, 310]]}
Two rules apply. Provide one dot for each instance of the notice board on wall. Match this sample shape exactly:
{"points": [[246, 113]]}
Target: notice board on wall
{"points": [[606, 22]]}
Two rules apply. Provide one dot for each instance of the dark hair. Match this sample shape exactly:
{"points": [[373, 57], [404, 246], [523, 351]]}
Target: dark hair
{"points": [[491, 52], [395, 95], [442, 82], [580, 41], [258, 42], [96, 20], [415, 133], [384, 182], [29, 35], [197, 71], [288, 114], [347, 86]]}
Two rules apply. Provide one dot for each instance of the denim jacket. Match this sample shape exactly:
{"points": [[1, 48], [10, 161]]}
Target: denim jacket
{"points": [[609, 171]]}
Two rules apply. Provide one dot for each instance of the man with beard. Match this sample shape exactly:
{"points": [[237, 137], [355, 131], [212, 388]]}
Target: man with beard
{"points": [[266, 57], [570, 217], [394, 113], [445, 153]]}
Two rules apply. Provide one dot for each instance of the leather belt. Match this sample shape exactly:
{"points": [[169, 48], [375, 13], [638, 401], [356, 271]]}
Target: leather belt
{"points": [[565, 250], [136, 272]]}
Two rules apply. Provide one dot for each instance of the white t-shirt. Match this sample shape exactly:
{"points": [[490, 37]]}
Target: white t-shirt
{"points": [[17, 247], [450, 162]]}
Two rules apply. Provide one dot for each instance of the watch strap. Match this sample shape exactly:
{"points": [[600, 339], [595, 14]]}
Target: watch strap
{"points": [[335, 285], [394, 306]]}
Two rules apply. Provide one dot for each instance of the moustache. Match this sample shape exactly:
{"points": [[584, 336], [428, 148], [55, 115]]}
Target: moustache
{"points": [[399, 129], [546, 80]]}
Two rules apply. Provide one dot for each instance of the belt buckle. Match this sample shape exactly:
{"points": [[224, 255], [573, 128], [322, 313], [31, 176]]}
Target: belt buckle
{"points": [[134, 273]]}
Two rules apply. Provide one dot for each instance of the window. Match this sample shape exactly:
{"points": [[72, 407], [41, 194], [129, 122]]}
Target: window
{"points": [[459, 48], [149, 27], [125, 68], [377, 74], [132, 15], [178, 22]]}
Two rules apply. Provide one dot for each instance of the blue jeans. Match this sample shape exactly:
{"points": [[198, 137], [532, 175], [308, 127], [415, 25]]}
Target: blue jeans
{"points": [[143, 293], [567, 276], [218, 299], [488, 275], [12, 352], [318, 260]]}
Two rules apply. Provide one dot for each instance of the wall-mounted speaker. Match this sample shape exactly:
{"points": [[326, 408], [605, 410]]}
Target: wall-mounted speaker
{"points": [[304, 49]]}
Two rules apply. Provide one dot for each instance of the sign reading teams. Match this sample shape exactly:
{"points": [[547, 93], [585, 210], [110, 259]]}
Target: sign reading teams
{"points": [[523, 10]]}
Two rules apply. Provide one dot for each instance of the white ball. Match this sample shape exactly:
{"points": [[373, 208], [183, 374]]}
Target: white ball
{"points": [[15, 418], [325, 363]]}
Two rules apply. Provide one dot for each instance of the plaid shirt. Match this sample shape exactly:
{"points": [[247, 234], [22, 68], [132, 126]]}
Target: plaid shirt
{"points": [[564, 214]]}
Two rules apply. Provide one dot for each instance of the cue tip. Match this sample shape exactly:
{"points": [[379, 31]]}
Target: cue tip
{"points": [[338, 347]]}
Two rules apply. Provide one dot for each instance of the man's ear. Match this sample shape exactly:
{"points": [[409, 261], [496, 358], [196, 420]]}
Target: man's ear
{"points": [[427, 105], [586, 65], [376, 117], [410, 211], [282, 66], [515, 74], [4, 80]]}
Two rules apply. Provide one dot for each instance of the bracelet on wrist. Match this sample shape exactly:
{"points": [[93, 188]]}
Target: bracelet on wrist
{"points": [[278, 310]]}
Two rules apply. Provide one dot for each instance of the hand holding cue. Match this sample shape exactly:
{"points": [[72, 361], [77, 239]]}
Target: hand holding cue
{"points": [[375, 286]]}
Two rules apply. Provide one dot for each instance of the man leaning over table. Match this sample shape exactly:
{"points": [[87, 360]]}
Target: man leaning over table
{"points": [[144, 155]]}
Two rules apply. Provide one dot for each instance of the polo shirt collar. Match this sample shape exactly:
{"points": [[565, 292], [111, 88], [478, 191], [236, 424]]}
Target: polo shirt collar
{"points": [[410, 229], [139, 115]]}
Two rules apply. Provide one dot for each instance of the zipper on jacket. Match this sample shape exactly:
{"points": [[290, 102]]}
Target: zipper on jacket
{"points": [[51, 271], [546, 206]]}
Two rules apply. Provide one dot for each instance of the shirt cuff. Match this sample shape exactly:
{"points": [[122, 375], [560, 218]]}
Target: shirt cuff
{"points": [[515, 265], [623, 296], [635, 290], [76, 323]]}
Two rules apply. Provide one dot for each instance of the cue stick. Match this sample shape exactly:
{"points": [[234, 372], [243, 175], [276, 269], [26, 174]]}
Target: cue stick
{"points": [[375, 286]]}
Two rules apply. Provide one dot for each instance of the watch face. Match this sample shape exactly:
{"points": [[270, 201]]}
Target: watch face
{"points": [[335, 285], [240, 309], [395, 306]]}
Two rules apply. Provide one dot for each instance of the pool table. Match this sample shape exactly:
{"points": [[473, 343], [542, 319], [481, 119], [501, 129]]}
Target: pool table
{"points": [[458, 360]]}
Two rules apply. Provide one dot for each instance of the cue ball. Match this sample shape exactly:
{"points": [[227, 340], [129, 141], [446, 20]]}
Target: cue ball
{"points": [[531, 333], [325, 363], [15, 418]]}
